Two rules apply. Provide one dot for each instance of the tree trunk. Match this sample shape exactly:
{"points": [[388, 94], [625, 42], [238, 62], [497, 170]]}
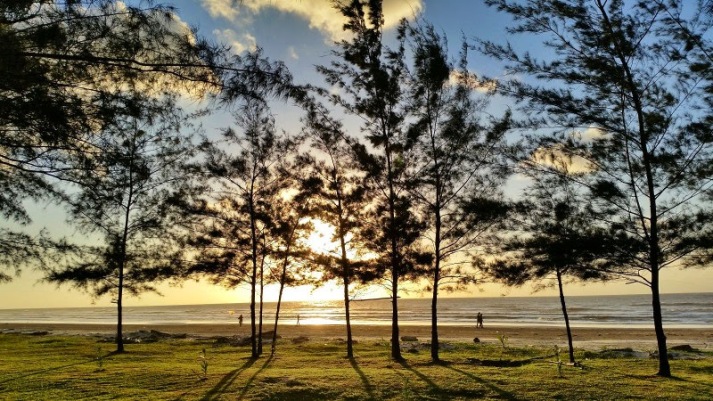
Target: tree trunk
{"points": [[664, 366], [262, 293], [434, 316], [277, 314], [119, 333], [395, 340], [436, 280], [350, 347], [566, 317], [253, 280]]}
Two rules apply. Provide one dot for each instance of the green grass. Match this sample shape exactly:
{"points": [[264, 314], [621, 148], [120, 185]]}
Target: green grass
{"points": [[66, 368]]}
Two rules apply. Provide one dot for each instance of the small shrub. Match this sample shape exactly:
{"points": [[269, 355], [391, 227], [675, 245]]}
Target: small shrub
{"points": [[203, 363]]}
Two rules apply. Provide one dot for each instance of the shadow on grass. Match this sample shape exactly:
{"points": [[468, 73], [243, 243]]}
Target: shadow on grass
{"points": [[506, 395], [447, 393], [252, 378], [364, 380], [39, 372], [226, 381]]}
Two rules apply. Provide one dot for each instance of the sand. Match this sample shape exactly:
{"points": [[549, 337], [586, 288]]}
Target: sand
{"points": [[584, 337]]}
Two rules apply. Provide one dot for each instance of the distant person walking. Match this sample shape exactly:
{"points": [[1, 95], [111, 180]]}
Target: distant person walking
{"points": [[240, 320], [298, 320], [479, 321]]}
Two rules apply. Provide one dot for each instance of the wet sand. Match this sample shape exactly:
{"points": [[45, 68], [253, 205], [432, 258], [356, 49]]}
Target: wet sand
{"points": [[584, 337]]}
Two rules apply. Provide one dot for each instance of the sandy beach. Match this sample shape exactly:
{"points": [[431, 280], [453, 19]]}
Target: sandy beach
{"points": [[584, 337]]}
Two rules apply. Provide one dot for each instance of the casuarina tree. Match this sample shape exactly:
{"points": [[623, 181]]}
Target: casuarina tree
{"points": [[243, 176], [338, 195], [125, 203], [628, 79], [460, 161], [370, 78], [553, 236]]}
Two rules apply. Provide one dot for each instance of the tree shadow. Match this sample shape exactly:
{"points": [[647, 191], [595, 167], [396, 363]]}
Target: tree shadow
{"points": [[501, 393], [424, 378], [252, 378], [226, 381], [38, 372], [364, 380]]}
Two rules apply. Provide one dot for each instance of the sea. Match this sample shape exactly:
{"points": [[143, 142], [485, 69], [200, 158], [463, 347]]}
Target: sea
{"points": [[679, 311]]}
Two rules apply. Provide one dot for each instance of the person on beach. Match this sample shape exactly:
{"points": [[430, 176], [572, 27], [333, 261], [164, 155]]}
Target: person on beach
{"points": [[240, 320], [479, 321]]}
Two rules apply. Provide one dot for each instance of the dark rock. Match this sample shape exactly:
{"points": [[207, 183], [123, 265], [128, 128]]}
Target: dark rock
{"points": [[476, 340], [300, 340], [409, 338], [684, 348]]}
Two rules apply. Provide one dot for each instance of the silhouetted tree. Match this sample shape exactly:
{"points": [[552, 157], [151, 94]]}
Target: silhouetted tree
{"points": [[243, 178], [555, 237], [126, 199], [370, 78], [63, 65], [633, 77], [288, 252], [337, 195], [460, 161]]}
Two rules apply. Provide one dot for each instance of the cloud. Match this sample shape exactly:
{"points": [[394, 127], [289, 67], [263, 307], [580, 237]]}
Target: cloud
{"points": [[293, 53], [320, 14], [227, 9], [238, 42], [471, 80]]}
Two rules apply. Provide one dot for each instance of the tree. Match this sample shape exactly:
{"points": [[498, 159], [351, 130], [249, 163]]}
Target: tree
{"points": [[370, 77], [288, 251], [461, 165], [62, 66], [630, 77], [243, 179], [558, 236], [126, 198], [337, 196]]}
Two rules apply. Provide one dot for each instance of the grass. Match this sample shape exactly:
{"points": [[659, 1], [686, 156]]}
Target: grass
{"points": [[67, 368]]}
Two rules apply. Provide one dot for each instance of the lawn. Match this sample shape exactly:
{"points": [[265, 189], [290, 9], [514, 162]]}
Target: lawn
{"points": [[81, 368]]}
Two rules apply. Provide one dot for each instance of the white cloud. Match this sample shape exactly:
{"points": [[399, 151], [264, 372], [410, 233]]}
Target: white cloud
{"points": [[320, 14], [293, 53], [238, 42], [592, 132], [228, 9], [472, 81]]}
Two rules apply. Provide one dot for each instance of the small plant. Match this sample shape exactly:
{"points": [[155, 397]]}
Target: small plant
{"points": [[100, 359], [407, 391], [558, 361], [503, 341], [203, 362]]}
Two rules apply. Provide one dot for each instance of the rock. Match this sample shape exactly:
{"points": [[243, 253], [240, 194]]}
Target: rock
{"points": [[476, 340], [684, 348], [409, 338], [141, 336], [300, 340]]}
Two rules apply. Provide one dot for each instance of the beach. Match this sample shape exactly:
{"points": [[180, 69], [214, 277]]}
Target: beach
{"points": [[584, 337]]}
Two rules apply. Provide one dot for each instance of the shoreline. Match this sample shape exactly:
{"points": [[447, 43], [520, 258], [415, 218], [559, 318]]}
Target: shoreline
{"points": [[592, 338]]}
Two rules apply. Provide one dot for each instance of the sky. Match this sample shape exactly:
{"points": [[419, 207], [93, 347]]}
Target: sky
{"points": [[300, 33]]}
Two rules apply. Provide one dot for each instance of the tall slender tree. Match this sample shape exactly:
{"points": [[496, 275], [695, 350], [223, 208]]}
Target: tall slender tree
{"points": [[630, 75], [289, 253], [126, 199], [461, 165], [370, 78], [244, 177], [62, 66], [337, 196], [555, 237]]}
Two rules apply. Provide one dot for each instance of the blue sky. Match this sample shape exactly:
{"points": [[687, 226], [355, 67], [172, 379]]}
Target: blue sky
{"points": [[299, 32]]}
